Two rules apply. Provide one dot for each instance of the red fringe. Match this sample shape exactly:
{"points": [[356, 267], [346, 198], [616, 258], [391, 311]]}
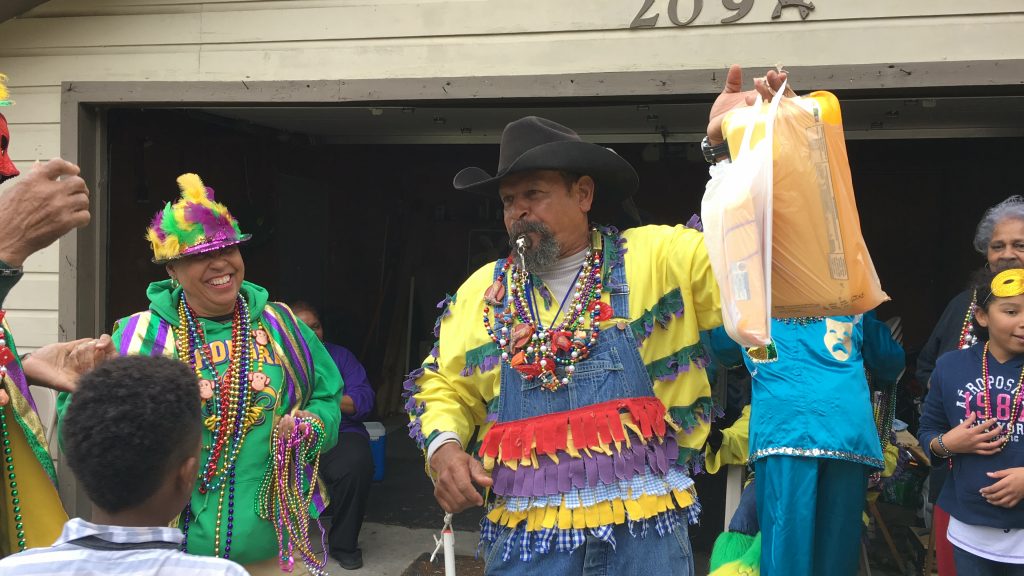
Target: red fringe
{"points": [[592, 426]]}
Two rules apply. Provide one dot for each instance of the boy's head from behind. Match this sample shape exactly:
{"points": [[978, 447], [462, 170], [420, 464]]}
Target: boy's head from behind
{"points": [[132, 435]]}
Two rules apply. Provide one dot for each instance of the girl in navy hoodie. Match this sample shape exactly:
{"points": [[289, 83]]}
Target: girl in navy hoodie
{"points": [[973, 418]]}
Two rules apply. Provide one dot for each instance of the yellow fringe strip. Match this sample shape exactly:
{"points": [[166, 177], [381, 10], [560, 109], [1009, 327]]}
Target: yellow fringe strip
{"points": [[600, 514]]}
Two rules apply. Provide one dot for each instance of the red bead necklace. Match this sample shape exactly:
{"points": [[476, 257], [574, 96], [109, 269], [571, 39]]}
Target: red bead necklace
{"points": [[1014, 403], [548, 353], [967, 336]]}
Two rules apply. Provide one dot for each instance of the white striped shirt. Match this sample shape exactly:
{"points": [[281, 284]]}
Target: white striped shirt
{"points": [[87, 549]]}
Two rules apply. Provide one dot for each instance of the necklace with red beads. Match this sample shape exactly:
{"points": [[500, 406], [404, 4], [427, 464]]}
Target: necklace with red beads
{"points": [[967, 336], [230, 404], [1014, 402], [535, 351]]}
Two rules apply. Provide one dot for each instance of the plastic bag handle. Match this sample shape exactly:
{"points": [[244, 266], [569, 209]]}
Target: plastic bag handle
{"points": [[769, 127], [773, 110], [749, 130]]}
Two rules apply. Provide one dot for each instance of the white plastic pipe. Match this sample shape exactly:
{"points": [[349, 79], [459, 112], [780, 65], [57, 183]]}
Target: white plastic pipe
{"points": [[448, 537]]}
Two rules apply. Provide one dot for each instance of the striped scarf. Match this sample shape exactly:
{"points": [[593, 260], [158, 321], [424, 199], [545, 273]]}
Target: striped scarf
{"points": [[147, 334]]}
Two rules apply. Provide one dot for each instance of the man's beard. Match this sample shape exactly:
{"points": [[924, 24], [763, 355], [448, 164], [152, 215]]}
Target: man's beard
{"points": [[541, 254]]}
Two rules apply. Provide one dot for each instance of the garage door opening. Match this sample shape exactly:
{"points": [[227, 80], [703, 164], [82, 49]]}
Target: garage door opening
{"points": [[352, 209]]}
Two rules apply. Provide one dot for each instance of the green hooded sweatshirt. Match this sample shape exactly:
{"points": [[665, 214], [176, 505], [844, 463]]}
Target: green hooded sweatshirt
{"points": [[253, 539]]}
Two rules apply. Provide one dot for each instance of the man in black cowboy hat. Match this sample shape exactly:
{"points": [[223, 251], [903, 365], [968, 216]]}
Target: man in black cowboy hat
{"points": [[579, 359]]}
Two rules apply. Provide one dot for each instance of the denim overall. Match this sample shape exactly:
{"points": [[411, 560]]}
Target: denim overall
{"points": [[613, 370]]}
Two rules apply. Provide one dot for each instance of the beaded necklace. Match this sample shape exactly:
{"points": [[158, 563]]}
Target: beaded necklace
{"points": [[1014, 403], [6, 357], [884, 411], [802, 320], [283, 500], [551, 353], [967, 336], [230, 403]]}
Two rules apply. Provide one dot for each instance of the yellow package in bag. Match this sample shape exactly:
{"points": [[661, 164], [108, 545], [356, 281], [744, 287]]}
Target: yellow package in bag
{"points": [[736, 211], [820, 265]]}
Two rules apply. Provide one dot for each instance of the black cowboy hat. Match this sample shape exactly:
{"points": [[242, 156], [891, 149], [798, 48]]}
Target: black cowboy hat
{"points": [[534, 143]]}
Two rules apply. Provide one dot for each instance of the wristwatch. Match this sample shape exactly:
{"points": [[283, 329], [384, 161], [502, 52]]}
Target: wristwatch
{"points": [[10, 271], [712, 153]]}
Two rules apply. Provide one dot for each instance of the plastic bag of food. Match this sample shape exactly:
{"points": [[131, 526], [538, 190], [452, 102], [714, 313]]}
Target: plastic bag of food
{"points": [[736, 211], [820, 265]]}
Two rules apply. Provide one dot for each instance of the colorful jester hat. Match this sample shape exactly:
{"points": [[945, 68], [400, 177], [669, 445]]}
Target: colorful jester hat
{"points": [[7, 168], [195, 224]]}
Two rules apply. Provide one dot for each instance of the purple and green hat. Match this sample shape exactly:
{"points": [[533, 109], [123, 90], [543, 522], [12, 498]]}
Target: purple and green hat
{"points": [[195, 224]]}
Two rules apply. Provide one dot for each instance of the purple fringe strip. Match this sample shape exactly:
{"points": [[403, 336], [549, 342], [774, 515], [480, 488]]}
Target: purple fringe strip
{"points": [[489, 362], [446, 311], [412, 407], [569, 473], [701, 361]]}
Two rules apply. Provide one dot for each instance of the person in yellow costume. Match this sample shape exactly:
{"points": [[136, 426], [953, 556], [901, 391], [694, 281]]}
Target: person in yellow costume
{"points": [[31, 513], [35, 210]]}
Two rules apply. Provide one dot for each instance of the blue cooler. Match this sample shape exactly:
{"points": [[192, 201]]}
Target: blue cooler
{"points": [[378, 440]]}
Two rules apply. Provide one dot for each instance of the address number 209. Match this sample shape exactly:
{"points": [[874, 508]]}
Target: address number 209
{"points": [[740, 9]]}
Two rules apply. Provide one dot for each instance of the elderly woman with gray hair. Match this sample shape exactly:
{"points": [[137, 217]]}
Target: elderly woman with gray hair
{"points": [[1000, 237]]}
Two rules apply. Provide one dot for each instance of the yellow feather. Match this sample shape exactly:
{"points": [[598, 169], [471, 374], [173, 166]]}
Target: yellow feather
{"points": [[154, 240], [168, 249], [162, 250], [220, 210], [192, 188], [159, 252], [179, 217]]}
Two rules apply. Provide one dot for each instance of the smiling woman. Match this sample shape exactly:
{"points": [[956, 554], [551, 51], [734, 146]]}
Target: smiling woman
{"points": [[258, 369], [211, 281]]}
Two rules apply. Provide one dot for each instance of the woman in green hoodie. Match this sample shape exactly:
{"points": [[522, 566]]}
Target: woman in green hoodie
{"points": [[258, 368]]}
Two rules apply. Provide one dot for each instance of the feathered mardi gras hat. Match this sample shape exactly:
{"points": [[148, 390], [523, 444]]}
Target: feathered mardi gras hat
{"points": [[7, 168], [195, 224]]}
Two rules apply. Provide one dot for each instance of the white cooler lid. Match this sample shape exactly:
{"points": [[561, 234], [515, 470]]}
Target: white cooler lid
{"points": [[375, 429]]}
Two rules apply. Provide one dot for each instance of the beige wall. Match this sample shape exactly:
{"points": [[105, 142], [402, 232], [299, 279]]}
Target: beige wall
{"points": [[227, 40]]}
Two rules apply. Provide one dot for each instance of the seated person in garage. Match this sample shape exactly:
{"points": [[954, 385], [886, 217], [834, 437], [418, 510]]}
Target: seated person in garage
{"points": [[347, 469]]}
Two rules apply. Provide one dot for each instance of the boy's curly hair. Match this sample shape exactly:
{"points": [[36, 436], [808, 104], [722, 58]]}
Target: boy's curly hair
{"points": [[130, 423]]}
